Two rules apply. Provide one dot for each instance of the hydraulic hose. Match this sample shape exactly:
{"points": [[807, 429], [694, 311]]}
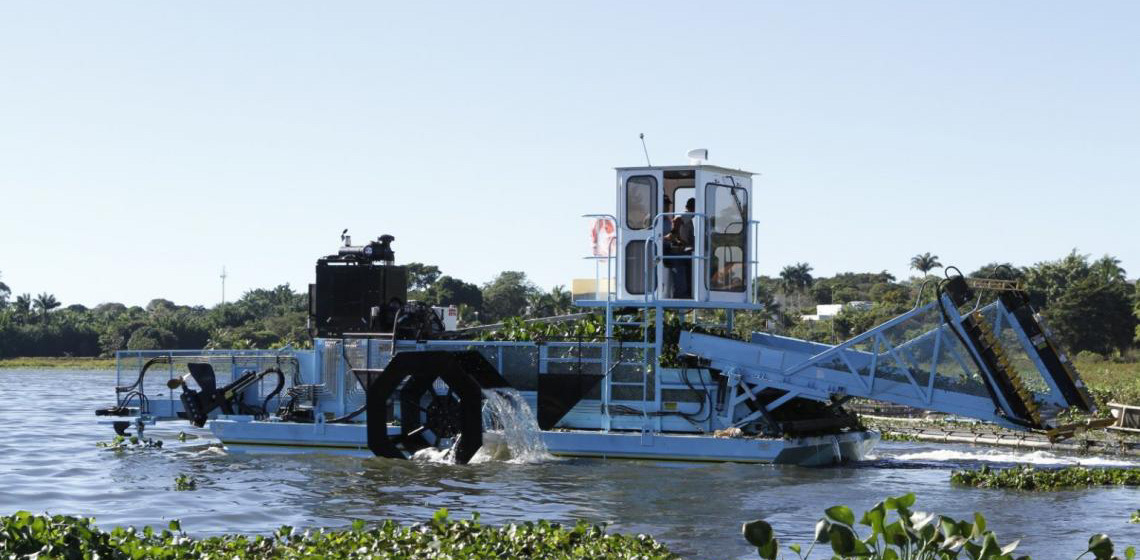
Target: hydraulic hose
{"points": [[276, 390], [135, 389]]}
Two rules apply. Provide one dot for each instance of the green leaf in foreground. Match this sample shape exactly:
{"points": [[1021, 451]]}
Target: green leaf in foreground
{"points": [[898, 533], [841, 514], [758, 533], [1100, 546]]}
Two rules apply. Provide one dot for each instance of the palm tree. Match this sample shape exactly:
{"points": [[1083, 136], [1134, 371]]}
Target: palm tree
{"points": [[1108, 267], [925, 263], [5, 291], [561, 300], [796, 279], [45, 302], [538, 304], [23, 305]]}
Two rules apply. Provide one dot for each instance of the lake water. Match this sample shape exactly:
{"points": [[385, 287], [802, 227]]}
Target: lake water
{"points": [[49, 463]]}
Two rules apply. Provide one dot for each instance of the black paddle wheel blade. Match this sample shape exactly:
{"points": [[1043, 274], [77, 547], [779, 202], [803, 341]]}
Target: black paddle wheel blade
{"points": [[456, 416]]}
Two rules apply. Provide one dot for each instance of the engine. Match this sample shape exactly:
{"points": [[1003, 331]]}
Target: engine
{"points": [[358, 290]]}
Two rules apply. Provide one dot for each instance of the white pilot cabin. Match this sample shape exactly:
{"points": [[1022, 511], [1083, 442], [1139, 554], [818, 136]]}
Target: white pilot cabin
{"points": [[683, 237]]}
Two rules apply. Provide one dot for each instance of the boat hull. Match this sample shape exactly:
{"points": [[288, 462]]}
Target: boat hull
{"points": [[243, 434]]}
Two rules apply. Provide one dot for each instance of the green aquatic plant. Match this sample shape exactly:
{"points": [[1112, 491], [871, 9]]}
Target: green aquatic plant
{"points": [[888, 435], [897, 533], [185, 483], [1029, 478], [1135, 517], [132, 442], [25, 535]]}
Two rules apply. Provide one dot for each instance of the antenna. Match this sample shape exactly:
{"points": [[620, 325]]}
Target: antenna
{"points": [[646, 150], [223, 285]]}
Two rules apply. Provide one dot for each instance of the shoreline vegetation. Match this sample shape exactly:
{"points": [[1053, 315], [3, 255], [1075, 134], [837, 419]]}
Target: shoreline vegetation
{"points": [[895, 531], [59, 363]]}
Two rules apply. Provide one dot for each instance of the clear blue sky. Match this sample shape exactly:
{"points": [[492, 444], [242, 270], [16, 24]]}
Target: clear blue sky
{"points": [[145, 145]]}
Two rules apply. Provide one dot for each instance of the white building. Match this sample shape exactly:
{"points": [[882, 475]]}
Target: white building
{"points": [[830, 310]]}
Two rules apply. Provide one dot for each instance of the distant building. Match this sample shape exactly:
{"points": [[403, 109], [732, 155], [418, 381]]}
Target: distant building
{"points": [[830, 310]]}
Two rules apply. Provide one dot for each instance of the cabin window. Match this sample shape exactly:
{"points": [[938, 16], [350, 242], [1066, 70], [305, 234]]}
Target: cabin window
{"points": [[640, 201], [727, 211], [635, 266]]}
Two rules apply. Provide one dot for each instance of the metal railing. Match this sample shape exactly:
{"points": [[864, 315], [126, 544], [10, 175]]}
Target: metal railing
{"points": [[156, 396]]}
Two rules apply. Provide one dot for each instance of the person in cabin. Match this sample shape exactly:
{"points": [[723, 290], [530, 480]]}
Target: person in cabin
{"points": [[667, 244], [687, 224], [686, 240], [674, 246]]}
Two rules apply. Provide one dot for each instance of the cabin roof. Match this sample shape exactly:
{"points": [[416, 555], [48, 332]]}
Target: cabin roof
{"points": [[705, 167]]}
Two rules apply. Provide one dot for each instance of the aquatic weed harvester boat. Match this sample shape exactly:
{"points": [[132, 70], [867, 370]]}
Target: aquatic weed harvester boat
{"points": [[665, 379]]}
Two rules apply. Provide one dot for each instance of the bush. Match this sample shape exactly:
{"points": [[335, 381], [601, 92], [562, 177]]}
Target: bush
{"points": [[152, 338]]}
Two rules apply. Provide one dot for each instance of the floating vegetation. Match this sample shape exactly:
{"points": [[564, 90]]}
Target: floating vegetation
{"points": [[896, 532], [887, 435], [133, 442], [1029, 478], [1135, 517], [185, 483], [26, 535]]}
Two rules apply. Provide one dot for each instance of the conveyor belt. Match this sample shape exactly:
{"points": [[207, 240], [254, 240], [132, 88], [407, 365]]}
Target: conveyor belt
{"points": [[1005, 375], [1056, 363]]}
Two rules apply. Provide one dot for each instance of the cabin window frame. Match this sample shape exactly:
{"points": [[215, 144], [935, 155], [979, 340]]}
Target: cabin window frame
{"points": [[635, 266], [711, 196], [652, 210]]}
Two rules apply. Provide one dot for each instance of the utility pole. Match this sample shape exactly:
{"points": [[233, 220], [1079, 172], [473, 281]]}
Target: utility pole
{"points": [[223, 285]]}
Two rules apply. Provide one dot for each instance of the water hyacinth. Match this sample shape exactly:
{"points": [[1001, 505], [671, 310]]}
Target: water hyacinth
{"points": [[121, 443], [897, 532], [1028, 478], [24, 535], [185, 483]]}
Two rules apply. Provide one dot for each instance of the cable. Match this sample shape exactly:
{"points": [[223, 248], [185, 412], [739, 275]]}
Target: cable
{"points": [[349, 416]]}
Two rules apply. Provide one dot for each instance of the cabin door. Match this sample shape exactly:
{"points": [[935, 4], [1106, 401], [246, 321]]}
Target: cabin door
{"points": [[639, 205]]}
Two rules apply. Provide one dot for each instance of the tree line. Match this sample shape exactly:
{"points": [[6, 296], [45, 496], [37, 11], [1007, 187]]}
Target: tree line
{"points": [[262, 318], [1089, 303]]}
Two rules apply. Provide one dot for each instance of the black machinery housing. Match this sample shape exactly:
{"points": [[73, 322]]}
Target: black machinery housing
{"points": [[358, 290]]}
